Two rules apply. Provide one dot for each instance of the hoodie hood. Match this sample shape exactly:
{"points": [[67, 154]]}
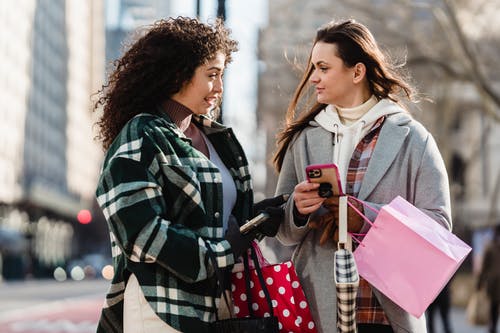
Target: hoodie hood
{"points": [[347, 137], [329, 118]]}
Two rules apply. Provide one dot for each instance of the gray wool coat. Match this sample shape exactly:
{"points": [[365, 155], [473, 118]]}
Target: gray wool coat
{"points": [[405, 162]]}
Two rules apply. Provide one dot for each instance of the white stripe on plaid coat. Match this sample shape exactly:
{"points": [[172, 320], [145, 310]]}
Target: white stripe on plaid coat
{"points": [[161, 200], [346, 281]]}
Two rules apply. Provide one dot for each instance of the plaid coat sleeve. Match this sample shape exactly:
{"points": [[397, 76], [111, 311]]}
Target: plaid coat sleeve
{"points": [[151, 198]]}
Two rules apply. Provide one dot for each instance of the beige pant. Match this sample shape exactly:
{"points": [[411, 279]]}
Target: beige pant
{"points": [[138, 316], [223, 312]]}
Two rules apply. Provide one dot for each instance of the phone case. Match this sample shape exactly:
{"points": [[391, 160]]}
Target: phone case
{"points": [[325, 174], [254, 222]]}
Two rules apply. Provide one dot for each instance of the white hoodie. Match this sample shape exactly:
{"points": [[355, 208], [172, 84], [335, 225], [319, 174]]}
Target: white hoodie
{"points": [[349, 133]]}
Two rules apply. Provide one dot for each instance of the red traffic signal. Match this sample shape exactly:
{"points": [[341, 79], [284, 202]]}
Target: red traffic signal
{"points": [[84, 216]]}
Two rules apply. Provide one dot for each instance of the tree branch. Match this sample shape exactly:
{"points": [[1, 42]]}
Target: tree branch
{"points": [[472, 57], [445, 66]]}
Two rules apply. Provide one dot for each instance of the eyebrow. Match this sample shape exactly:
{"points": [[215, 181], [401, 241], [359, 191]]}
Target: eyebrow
{"points": [[321, 62], [215, 67]]}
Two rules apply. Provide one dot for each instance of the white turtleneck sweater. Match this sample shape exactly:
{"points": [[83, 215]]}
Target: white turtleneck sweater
{"points": [[350, 125]]}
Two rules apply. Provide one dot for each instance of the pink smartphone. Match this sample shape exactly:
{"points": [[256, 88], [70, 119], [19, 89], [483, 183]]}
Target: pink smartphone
{"points": [[328, 176]]}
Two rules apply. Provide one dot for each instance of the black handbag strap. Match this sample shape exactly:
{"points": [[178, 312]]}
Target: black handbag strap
{"points": [[220, 281], [263, 285], [247, 284]]}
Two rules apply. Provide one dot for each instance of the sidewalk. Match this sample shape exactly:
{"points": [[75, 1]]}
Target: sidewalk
{"points": [[459, 323]]}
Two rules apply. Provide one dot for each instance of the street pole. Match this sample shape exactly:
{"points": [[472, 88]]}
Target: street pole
{"points": [[221, 12], [198, 9], [221, 9]]}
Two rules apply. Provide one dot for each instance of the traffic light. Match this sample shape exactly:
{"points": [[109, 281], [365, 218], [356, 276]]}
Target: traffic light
{"points": [[84, 216]]}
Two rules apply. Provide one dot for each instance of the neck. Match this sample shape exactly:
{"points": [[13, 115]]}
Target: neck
{"points": [[179, 114], [350, 115]]}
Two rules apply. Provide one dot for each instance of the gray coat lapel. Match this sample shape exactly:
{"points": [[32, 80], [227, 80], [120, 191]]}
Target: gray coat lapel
{"points": [[319, 144], [391, 138]]}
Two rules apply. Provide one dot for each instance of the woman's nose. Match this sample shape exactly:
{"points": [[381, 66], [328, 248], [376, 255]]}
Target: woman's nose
{"points": [[313, 78], [219, 85]]}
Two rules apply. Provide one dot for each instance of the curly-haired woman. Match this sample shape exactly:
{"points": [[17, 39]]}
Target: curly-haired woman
{"points": [[174, 184], [357, 122]]}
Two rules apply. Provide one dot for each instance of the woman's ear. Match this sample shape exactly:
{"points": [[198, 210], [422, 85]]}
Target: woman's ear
{"points": [[359, 72]]}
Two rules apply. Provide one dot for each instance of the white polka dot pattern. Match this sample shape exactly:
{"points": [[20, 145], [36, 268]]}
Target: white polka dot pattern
{"points": [[288, 299]]}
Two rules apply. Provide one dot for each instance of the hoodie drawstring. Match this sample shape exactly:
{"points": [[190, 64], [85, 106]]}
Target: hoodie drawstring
{"points": [[335, 145], [335, 137], [359, 130]]}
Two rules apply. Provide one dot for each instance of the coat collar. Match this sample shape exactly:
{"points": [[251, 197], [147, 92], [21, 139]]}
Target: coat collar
{"points": [[391, 138]]}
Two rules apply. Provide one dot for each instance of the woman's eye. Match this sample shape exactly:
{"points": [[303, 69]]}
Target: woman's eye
{"points": [[320, 68]]}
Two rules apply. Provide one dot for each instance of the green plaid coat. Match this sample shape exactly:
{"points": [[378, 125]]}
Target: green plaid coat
{"points": [[162, 202]]}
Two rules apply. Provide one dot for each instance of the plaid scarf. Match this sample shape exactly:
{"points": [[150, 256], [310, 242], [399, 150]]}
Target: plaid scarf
{"points": [[368, 309]]}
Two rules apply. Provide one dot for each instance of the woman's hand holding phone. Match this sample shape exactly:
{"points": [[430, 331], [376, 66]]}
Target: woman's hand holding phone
{"points": [[306, 197], [327, 175], [326, 217], [268, 215]]}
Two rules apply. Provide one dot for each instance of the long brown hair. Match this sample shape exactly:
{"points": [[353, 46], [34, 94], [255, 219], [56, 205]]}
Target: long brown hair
{"points": [[355, 44], [156, 67]]}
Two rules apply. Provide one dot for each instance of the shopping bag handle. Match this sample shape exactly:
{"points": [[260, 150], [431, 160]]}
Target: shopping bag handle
{"points": [[355, 236], [260, 257], [364, 205]]}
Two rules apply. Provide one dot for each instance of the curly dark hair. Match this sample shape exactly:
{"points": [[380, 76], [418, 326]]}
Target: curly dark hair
{"points": [[157, 66]]}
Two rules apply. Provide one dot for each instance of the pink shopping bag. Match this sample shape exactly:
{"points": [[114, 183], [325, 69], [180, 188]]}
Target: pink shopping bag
{"points": [[408, 256], [288, 299]]}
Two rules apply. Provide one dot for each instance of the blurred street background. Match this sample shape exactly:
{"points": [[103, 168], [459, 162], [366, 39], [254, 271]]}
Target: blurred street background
{"points": [[48, 306], [54, 55]]}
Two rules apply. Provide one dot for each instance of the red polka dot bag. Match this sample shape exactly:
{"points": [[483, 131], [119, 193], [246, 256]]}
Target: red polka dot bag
{"points": [[288, 299]]}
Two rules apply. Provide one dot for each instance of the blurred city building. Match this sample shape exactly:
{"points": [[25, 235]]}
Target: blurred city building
{"points": [[124, 16], [51, 61]]}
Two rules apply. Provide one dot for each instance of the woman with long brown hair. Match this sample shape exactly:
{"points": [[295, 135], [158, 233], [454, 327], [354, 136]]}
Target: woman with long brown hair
{"points": [[357, 122]]}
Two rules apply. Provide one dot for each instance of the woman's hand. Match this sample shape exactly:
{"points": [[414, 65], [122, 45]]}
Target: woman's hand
{"points": [[354, 220], [324, 220], [306, 197]]}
